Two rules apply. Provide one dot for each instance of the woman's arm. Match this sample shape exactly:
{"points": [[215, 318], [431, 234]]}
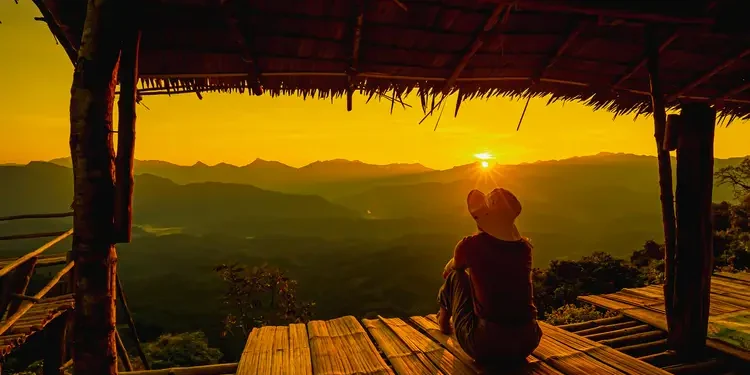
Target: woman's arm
{"points": [[458, 262]]}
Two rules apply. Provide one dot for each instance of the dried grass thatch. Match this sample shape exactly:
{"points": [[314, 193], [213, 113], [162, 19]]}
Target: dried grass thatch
{"points": [[586, 50]]}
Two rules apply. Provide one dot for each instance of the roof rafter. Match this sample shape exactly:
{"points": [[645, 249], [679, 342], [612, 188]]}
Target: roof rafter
{"points": [[243, 36], [57, 31], [359, 16], [476, 44], [575, 32], [566, 7], [644, 61], [702, 79], [737, 90]]}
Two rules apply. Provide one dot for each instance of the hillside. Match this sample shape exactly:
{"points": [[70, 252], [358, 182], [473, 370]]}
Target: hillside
{"points": [[45, 187]]}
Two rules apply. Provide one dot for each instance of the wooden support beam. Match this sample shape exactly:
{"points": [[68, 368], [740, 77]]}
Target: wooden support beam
{"points": [[128, 76], [23, 297], [572, 35], [57, 30], [664, 45], [477, 43], [666, 194], [702, 79], [28, 236], [122, 353], [220, 369], [131, 324], [55, 350], [694, 251], [359, 16], [91, 104], [243, 36]]}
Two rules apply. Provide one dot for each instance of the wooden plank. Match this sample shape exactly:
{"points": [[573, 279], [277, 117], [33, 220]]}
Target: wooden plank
{"points": [[534, 366], [300, 362], [280, 351], [10, 267], [248, 363], [352, 340], [340, 346], [659, 321], [404, 361], [614, 358], [418, 343], [739, 276]]}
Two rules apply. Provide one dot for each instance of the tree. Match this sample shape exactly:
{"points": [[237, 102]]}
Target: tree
{"points": [[181, 350], [260, 296], [738, 176]]}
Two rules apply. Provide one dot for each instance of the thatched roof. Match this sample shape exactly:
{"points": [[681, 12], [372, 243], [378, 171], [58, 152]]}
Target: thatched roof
{"points": [[588, 50]]}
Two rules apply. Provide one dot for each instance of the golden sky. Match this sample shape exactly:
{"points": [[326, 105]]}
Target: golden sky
{"points": [[35, 78]]}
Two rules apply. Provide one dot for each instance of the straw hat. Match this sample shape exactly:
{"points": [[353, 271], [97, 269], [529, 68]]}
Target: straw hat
{"points": [[495, 213]]}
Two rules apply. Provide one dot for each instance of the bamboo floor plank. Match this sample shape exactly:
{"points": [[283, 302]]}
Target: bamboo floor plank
{"points": [[404, 361], [300, 362], [533, 367], [614, 358], [349, 337], [441, 357], [256, 356]]}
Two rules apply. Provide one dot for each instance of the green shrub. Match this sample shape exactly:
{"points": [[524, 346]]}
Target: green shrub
{"points": [[571, 313]]}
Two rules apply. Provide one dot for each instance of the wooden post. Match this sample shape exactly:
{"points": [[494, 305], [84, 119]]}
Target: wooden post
{"points": [[694, 256], [128, 76], [666, 194], [55, 346], [91, 103]]}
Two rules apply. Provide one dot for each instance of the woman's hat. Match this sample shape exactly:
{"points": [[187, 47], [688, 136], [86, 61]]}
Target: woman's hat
{"points": [[495, 213]]}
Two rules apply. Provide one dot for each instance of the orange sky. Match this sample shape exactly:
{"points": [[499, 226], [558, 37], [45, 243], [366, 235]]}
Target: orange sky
{"points": [[35, 78]]}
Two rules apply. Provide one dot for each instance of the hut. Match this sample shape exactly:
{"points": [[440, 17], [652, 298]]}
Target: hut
{"points": [[627, 57]]}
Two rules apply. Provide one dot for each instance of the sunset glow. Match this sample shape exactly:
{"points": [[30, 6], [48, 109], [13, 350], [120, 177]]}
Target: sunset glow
{"points": [[485, 164], [484, 156]]}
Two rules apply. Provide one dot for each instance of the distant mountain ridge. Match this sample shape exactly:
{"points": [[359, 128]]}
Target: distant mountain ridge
{"points": [[272, 175]]}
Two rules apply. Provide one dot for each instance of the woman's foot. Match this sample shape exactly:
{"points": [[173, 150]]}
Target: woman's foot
{"points": [[444, 321]]}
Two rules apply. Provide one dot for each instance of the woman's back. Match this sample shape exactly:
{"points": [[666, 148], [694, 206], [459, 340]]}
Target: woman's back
{"points": [[500, 273]]}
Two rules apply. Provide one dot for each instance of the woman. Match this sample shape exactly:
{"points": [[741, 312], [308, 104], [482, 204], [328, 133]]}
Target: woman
{"points": [[487, 289]]}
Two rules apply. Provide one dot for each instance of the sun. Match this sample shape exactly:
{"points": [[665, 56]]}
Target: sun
{"points": [[484, 164]]}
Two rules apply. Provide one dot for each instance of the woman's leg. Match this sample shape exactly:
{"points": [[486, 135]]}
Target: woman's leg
{"points": [[456, 301]]}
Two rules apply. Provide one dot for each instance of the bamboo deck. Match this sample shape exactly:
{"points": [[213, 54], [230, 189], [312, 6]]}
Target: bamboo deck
{"points": [[344, 346], [729, 321], [33, 321]]}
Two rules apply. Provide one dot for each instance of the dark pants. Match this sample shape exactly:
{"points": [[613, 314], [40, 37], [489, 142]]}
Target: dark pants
{"points": [[483, 340]]}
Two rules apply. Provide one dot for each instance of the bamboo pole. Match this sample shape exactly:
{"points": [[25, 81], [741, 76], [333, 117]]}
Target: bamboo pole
{"points": [[122, 353], [31, 235], [13, 284], [128, 75], [21, 260], [131, 324], [36, 216], [666, 194], [692, 274], [220, 369]]}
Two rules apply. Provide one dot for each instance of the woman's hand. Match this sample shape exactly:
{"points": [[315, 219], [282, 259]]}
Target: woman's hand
{"points": [[448, 268]]}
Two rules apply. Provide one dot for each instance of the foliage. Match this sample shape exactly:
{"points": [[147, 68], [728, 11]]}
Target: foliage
{"points": [[260, 296], [565, 280], [181, 350], [571, 313], [737, 176]]}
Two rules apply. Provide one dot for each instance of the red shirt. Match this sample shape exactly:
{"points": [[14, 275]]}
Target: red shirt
{"points": [[500, 273]]}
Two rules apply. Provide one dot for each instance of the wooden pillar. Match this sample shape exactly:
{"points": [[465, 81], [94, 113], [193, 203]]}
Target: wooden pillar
{"points": [[55, 346], [128, 76], [694, 256], [666, 194], [131, 324], [91, 103]]}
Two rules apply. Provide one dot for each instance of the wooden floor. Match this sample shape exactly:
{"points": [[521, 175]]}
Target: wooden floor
{"points": [[649, 344], [345, 346], [33, 321], [729, 321]]}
